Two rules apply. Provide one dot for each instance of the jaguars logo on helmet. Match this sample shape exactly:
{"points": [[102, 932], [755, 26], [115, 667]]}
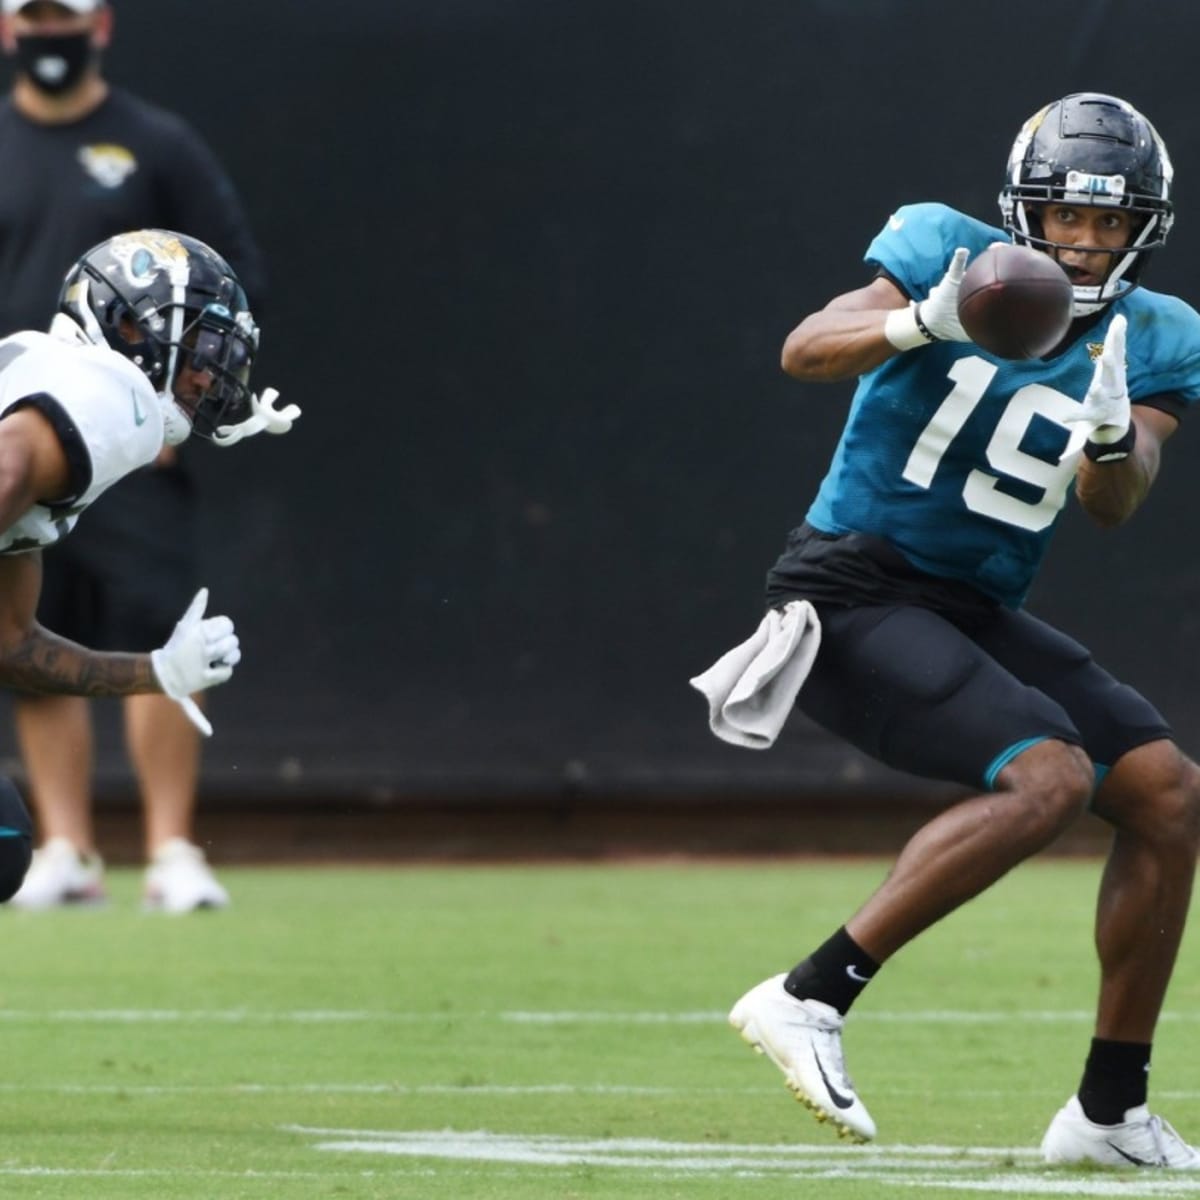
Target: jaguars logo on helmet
{"points": [[146, 252]]}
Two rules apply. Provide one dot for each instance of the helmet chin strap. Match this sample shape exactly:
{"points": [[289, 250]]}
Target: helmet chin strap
{"points": [[1089, 300], [1086, 308]]}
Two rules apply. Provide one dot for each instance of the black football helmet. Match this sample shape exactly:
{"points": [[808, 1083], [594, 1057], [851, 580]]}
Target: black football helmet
{"points": [[1092, 149], [167, 301]]}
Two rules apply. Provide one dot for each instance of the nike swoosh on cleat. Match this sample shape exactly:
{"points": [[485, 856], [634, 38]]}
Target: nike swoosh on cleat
{"points": [[1129, 1158], [836, 1096]]}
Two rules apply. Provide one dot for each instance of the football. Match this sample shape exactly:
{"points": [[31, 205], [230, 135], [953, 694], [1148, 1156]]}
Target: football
{"points": [[1015, 302]]}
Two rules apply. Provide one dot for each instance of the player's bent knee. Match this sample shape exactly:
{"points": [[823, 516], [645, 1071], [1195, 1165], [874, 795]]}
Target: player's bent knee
{"points": [[16, 839], [1054, 780], [1069, 788], [1182, 802], [1154, 792]]}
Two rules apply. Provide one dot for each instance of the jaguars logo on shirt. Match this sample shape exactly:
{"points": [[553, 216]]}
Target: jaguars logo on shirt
{"points": [[107, 164]]}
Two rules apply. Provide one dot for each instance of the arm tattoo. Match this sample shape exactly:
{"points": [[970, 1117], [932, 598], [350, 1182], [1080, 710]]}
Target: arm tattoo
{"points": [[44, 662]]}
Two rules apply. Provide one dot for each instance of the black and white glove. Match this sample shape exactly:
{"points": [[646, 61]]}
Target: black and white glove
{"points": [[1103, 426], [264, 418], [934, 319], [200, 653]]}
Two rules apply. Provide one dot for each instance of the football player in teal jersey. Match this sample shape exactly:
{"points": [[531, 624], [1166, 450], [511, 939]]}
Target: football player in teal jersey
{"points": [[917, 553]]}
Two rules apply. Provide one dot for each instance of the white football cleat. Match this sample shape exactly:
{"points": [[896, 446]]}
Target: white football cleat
{"points": [[60, 875], [1141, 1140], [179, 880], [803, 1038]]}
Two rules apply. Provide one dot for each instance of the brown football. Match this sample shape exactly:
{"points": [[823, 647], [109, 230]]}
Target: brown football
{"points": [[1015, 302]]}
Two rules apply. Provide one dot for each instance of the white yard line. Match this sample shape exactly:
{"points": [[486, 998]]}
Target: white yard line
{"points": [[986, 1169]]}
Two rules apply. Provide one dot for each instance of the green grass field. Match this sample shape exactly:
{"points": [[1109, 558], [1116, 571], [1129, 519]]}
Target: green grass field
{"points": [[545, 1032]]}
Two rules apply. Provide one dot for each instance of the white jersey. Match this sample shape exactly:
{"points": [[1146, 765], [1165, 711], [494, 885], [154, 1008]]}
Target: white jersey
{"points": [[104, 411]]}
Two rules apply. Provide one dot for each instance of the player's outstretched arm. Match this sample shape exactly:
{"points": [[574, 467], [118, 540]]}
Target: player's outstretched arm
{"points": [[200, 654], [857, 331], [1121, 446], [845, 338], [33, 468], [34, 659]]}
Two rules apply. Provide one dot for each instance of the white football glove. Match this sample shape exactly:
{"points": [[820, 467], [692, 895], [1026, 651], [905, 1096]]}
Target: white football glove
{"points": [[934, 319], [264, 418], [1104, 417], [200, 653]]}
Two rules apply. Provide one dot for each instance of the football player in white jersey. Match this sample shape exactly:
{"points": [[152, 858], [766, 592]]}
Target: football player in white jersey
{"points": [[153, 341]]}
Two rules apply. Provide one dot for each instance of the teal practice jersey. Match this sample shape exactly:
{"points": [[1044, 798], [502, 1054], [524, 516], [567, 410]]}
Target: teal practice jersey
{"points": [[951, 454]]}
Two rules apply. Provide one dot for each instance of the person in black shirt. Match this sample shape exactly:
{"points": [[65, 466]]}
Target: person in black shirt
{"points": [[85, 160]]}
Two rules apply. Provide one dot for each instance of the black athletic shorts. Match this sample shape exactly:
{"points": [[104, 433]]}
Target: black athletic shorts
{"points": [[126, 572], [934, 678]]}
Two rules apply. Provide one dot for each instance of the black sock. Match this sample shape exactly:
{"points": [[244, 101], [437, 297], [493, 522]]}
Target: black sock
{"points": [[1115, 1079], [834, 973]]}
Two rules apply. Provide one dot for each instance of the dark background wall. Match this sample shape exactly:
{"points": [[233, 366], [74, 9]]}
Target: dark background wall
{"points": [[532, 264]]}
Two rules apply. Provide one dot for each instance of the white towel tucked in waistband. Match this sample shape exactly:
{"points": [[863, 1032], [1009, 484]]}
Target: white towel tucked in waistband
{"points": [[752, 689]]}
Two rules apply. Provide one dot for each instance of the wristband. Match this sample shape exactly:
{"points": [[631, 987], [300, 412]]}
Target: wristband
{"points": [[1110, 452], [904, 328]]}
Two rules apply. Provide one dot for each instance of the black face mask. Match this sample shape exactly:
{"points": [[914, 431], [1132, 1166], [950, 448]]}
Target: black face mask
{"points": [[55, 63]]}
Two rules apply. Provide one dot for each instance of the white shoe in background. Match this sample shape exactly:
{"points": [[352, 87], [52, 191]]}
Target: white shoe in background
{"points": [[179, 880], [60, 875], [1141, 1140]]}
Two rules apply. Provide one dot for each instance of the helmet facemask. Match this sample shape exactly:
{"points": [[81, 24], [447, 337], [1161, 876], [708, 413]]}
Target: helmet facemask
{"points": [[214, 344]]}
